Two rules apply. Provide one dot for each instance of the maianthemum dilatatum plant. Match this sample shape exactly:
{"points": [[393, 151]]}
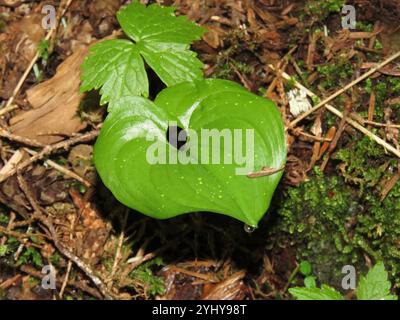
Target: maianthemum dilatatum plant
{"points": [[161, 41]]}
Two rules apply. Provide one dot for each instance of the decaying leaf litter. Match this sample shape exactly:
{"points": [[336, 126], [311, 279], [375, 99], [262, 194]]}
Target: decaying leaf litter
{"points": [[56, 211]]}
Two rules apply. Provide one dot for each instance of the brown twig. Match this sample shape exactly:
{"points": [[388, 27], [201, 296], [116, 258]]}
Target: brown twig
{"points": [[339, 132], [63, 170], [336, 112], [19, 235], [49, 150], [49, 228], [264, 172], [29, 142], [76, 284], [339, 92]]}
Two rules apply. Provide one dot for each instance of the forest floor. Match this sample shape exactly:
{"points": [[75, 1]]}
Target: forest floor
{"points": [[337, 204]]}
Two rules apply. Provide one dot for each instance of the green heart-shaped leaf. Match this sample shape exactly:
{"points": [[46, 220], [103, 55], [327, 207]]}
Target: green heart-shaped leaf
{"points": [[133, 142]]}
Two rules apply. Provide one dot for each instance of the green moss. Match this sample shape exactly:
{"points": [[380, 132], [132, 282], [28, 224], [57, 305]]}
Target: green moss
{"points": [[364, 26], [384, 88], [228, 70], [152, 284], [290, 84], [378, 45], [324, 8], [394, 85], [3, 250], [30, 256], [380, 227], [4, 219], [364, 163], [316, 218], [335, 73], [334, 221]]}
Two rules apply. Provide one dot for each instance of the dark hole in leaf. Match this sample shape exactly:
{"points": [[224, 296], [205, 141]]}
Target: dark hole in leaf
{"points": [[155, 83], [176, 136]]}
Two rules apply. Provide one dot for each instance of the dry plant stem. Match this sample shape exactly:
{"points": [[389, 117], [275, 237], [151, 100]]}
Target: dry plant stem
{"points": [[382, 125], [29, 142], [11, 163], [49, 150], [22, 245], [10, 106], [65, 282], [119, 248], [137, 261], [10, 282], [336, 112], [205, 277], [77, 284], [69, 266], [18, 235], [86, 269], [62, 169], [10, 226], [264, 172], [339, 132], [48, 226], [339, 92]]}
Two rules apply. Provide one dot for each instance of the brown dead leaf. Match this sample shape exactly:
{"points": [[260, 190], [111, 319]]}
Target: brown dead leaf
{"points": [[18, 45], [55, 104], [387, 70], [270, 39], [212, 38], [229, 289]]}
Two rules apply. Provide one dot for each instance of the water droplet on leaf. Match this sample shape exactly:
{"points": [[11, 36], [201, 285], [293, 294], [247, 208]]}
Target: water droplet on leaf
{"points": [[249, 229]]}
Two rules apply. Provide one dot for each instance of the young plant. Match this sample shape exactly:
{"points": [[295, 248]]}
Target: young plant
{"points": [[141, 164], [374, 286], [161, 38]]}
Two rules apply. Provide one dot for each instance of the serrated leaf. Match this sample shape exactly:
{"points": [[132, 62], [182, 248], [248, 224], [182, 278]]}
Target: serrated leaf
{"points": [[117, 67], [375, 285], [167, 190], [164, 41], [173, 63], [155, 23], [323, 293]]}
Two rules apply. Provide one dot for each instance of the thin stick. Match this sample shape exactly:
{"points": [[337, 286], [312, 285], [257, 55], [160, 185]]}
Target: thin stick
{"points": [[347, 87], [26, 141], [119, 248], [66, 278], [48, 224], [335, 111], [50, 149], [265, 172], [63, 170], [382, 125]]}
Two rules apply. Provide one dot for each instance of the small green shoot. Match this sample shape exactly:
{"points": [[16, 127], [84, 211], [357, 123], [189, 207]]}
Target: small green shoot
{"points": [[374, 286], [160, 38]]}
